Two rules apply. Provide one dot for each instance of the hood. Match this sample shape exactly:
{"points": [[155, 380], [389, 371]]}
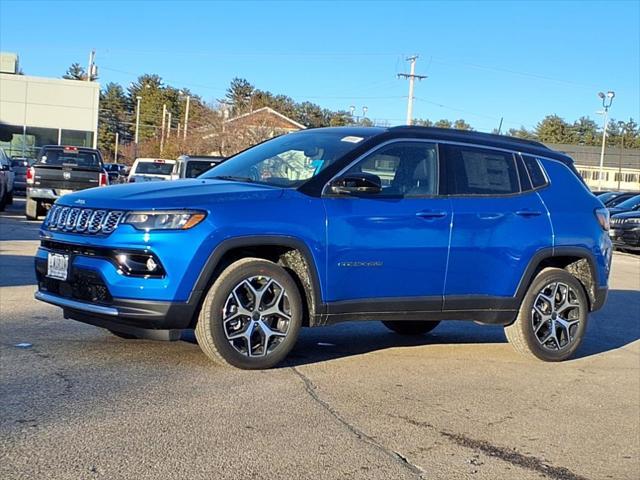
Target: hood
{"points": [[628, 214], [617, 210], [195, 193]]}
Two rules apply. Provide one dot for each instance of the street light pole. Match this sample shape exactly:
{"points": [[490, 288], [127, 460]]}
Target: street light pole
{"points": [[607, 99]]}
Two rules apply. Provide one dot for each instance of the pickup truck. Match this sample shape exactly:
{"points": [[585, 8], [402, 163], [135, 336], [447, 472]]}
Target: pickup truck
{"points": [[59, 170]]}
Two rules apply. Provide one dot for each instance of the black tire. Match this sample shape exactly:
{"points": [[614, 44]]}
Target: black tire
{"points": [[125, 336], [3, 202], [10, 199], [522, 333], [211, 332], [411, 327]]}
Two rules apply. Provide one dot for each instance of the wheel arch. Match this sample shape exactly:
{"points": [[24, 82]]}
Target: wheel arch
{"points": [[291, 253], [578, 261]]}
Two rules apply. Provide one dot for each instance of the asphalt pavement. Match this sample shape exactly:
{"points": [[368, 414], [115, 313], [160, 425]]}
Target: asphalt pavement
{"points": [[352, 401]]}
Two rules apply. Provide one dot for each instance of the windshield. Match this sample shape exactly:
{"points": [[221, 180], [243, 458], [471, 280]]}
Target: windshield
{"points": [[630, 203], [288, 160], [69, 157], [153, 168], [195, 168]]}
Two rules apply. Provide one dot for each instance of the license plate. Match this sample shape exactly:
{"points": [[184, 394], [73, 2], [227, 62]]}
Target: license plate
{"points": [[63, 191], [57, 266]]}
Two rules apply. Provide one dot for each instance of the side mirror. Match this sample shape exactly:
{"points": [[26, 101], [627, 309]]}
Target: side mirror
{"points": [[357, 183]]}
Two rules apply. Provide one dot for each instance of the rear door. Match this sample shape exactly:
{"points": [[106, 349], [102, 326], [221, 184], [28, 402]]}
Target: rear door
{"points": [[498, 225]]}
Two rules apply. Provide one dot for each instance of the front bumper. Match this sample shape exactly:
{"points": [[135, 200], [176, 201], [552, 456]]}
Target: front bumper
{"points": [[142, 319], [626, 237], [44, 193]]}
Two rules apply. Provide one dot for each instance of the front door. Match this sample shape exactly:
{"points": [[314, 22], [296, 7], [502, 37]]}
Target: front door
{"points": [[390, 245]]}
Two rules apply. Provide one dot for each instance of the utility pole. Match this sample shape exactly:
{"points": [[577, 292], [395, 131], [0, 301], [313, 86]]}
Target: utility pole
{"points": [[164, 114], [169, 125], [138, 98], [620, 158], [411, 76], [115, 149], [90, 68], [186, 117]]}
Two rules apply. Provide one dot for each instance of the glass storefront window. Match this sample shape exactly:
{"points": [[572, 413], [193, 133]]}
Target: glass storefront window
{"points": [[77, 138]]}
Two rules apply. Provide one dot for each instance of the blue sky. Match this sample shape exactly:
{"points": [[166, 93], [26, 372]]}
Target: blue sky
{"points": [[485, 60]]}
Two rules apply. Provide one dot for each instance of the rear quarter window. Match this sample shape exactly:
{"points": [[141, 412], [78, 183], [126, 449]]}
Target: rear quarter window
{"points": [[534, 169], [480, 171]]}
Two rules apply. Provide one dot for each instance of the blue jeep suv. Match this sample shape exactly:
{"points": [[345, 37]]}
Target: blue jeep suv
{"points": [[406, 225]]}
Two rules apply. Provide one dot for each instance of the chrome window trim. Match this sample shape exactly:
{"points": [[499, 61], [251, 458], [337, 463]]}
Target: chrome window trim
{"points": [[448, 142]]}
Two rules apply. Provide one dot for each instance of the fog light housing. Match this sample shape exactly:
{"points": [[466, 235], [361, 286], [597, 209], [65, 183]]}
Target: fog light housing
{"points": [[139, 264]]}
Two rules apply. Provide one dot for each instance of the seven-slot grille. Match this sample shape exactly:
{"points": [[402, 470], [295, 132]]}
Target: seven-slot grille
{"points": [[617, 221], [82, 220]]}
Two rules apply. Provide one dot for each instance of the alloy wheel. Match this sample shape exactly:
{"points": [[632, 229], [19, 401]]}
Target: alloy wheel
{"points": [[555, 316], [256, 316]]}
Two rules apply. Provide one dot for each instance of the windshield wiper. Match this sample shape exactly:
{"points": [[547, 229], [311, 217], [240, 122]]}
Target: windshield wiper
{"points": [[233, 178]]}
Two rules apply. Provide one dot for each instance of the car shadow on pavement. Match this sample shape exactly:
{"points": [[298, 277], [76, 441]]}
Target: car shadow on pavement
{"points": [[614, 327], [16, 270]]}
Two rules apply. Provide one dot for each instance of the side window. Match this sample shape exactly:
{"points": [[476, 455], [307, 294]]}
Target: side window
{"points": [[538, 178], [525, 181], [406, 169], [480, 171]]}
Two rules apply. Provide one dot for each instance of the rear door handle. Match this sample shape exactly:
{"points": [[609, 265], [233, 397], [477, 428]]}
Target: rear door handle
{"points": [[528, 213], [431, 214]]}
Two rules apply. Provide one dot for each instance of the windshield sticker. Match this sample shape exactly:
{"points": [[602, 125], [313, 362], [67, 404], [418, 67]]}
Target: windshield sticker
{"points": [[351, 139]]}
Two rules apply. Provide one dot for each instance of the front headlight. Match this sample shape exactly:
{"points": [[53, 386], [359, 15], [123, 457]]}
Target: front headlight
{"points": [[165, 220]]}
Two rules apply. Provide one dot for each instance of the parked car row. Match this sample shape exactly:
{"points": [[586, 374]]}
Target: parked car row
{"points": [[624, 208], [7, 179]]}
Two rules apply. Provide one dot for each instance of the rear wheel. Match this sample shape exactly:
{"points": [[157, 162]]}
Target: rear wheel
{"points": [[3, 201], [251, 315], [411, 327], [10, 198], [552, 319]]}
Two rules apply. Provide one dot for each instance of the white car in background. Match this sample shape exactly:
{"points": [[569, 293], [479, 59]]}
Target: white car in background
{"points": [[7, 177], [152, 169]]}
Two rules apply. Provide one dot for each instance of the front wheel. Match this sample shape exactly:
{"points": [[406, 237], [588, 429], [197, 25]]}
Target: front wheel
{"points": [[552, 320], [251, 316], [411, 327]]}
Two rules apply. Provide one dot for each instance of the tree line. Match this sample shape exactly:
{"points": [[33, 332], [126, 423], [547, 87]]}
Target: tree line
{"points": [[206, 133]]}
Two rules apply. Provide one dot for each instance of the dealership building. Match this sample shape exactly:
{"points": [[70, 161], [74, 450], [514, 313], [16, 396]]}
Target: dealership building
{"points": [[37, 111]]}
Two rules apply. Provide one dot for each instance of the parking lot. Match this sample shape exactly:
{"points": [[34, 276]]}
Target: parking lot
{"points": [[352, 401]]}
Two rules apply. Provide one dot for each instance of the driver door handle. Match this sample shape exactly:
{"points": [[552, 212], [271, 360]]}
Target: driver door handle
{"points": [[429, 214], [528, 213]]}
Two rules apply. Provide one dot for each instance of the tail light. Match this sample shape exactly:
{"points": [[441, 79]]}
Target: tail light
{"points": [[602, 214], [104, 180], [31, 173]]}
